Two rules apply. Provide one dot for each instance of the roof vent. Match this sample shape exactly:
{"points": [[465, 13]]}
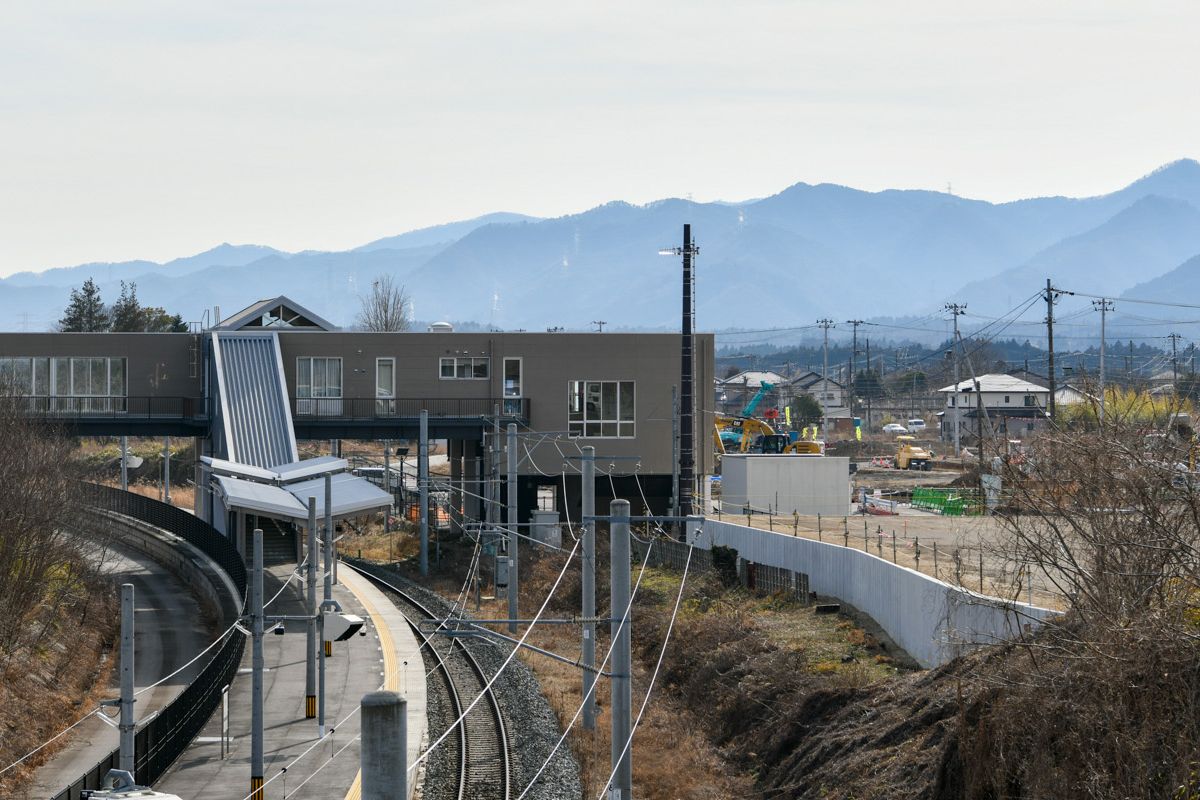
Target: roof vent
{"points": [[441, 327]]}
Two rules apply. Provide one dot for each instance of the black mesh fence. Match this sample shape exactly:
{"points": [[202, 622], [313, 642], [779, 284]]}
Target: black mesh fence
{"points": [[165, 737]]}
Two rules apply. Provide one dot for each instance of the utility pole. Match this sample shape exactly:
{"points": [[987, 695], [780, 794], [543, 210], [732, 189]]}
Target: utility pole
{"points": [[511, 517], [588, 608], [599, 323], [826, 324], [423, 488], [1051, 297], [622, 664], [687, 425], [854, 363], [1174, 337], [128, 722], [957, 310], [310, 651], [1104, 305], [872, 392], [256, 671]]}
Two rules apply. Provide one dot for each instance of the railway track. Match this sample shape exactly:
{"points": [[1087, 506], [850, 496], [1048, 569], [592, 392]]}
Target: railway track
{"points": [[481, 740]]}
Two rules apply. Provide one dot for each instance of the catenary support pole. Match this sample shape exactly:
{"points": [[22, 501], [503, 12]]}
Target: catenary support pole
{"points": [[327, 598], [127, 725], [310, 654], [384, 754], [622, 699], [423, 488], [387, 487], [124, 464], [511, 519], [167, 470], [588, 609], [256, 669]]}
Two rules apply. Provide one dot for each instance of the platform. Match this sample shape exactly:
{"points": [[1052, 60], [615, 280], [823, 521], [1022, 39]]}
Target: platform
{"points": [[360, 665]]}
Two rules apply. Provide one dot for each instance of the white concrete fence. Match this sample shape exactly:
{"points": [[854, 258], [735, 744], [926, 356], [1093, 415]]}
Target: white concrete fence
{"points": [[933, 621]]}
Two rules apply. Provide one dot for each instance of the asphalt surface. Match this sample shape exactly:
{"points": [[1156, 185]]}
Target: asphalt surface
{"points": [[169, 632]]}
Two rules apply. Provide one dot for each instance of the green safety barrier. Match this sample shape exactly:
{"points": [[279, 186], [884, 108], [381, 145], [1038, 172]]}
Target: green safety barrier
{"points": [[950, 502]]}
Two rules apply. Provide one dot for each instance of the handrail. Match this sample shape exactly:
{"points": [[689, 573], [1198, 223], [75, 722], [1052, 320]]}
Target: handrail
{"points": [[371, 408]]}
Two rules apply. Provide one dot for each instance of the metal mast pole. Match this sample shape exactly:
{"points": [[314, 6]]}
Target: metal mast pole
{"points": [[124, 464], [167, 470], [1050, 344], [588, 609], [128, 723], [256, 669], [957, 310], [622, 699], [423, 488], [826, 324], [511, 519], [310, 654], [387, 487], [687, 383], [674, 451], [327, 595], [1105, 306]]}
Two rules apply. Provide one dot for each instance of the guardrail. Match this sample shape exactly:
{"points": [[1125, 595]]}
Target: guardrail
{"points": [[114, 407], [168, 734], [370, 408]]}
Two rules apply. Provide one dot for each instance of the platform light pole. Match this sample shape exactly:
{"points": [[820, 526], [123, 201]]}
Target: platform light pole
{"points": [[687, 450], [310, 654]]}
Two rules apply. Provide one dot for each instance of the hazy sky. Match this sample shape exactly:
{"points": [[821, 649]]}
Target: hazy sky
{"points": [[149, 130]]}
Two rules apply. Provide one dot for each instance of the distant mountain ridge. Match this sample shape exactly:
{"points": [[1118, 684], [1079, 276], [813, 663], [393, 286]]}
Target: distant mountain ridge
{"points": [[805, 252]]}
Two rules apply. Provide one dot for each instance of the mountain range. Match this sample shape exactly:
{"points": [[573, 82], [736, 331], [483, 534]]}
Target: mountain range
{"points": [[809, 251]]}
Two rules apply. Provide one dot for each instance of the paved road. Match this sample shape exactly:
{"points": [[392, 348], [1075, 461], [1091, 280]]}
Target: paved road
{"points": [[169, 633]]}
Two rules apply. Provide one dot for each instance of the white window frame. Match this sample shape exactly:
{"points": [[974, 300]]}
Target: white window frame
{"points": [[513, 403], [325, 404], [578, 429], [471, 362], [385, 403]]}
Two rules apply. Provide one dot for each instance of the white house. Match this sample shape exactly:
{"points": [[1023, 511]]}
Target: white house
{"points": [[1007, 400]]}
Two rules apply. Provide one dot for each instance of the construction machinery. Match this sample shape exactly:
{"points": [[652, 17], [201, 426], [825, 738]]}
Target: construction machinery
{"points": [[910, 455], [749, 435]]}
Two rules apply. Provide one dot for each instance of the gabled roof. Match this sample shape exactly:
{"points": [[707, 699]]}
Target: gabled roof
{"points": [[276, 312], [996, 383], [811, 378]]}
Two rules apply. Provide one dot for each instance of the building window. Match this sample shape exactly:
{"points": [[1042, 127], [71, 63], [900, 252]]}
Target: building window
{"points": [[318, 386], [385, 386], [601, 409], [512, 386], [67, 384], [1030, 401], [464, 368]]}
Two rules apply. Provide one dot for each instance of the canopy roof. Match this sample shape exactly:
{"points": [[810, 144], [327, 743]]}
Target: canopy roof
{"points": [[351, 496]]}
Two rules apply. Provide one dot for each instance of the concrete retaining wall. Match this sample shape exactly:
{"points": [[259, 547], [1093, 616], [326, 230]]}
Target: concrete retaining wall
{"points": [[932, 620]]}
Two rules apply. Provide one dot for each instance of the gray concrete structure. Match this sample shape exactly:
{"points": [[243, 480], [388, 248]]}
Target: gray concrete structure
{"points": [[384, 746], [785, 484]]}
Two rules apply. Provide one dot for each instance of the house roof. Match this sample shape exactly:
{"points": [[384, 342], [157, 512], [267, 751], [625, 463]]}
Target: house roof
{"points": [[993, 382], [754, 379], [276, 312], [809, 379]]}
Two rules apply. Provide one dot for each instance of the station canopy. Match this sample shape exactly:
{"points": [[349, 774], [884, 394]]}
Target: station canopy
{"points": [[282, 492]]}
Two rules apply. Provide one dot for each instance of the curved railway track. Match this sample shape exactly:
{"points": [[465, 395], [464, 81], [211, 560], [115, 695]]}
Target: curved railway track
{"points": [[484, 771]]}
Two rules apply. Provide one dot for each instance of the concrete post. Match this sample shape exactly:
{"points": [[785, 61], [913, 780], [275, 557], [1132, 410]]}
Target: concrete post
{"points": [[423, 488], [310, 654], [512, 520], [127, 760], [621, 787], [124, 464], [256, 669], [588, 482], [327, 572], [167, 470], [384, 753]]}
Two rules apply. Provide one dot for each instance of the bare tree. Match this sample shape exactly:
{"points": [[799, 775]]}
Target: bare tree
{"points": [[386, 308]]}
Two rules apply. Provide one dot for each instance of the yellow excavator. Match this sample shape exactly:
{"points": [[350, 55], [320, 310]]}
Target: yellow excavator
{"points": [[910, 455], [749, 435]]}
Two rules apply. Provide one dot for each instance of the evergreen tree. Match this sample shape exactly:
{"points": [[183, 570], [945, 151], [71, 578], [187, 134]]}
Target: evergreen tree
{"points": [[86, 312], [157, 320], [127, 313]]}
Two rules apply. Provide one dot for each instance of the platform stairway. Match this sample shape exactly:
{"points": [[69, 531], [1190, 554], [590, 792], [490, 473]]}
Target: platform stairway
{"points": [[279, 541]]}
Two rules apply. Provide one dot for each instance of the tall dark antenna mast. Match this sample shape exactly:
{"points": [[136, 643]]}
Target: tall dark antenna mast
{"points": [[687, 447]]}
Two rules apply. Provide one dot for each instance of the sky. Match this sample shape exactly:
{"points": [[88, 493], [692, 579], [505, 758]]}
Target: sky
{"points": [[133, 129]]}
